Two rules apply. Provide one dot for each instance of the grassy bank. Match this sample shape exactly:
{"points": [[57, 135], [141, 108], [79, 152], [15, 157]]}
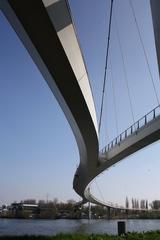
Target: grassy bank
{"points": [[153, 235]]}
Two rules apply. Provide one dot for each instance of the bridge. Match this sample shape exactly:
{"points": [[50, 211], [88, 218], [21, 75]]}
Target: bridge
{"points": [[47, 31]]}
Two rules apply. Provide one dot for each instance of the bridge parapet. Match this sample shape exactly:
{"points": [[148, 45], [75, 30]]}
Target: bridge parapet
{"points": [[134, 128]]}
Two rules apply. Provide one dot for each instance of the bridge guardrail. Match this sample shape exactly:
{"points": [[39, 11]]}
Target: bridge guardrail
{"points": [[143, 121], [109, 204]]}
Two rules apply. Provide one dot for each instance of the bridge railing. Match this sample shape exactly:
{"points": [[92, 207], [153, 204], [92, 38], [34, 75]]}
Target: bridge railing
{"points": [[109, 204], [153, 114]]}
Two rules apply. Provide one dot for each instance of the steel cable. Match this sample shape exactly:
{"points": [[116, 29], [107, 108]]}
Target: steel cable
{"points": [[106, 65], [144, 51], [124, 69]]}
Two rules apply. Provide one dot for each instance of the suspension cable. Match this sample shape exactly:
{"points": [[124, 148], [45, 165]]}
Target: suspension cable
{"points": [[114, 97], [99, 190], [106, 64], [144, 51], [124, 69]]}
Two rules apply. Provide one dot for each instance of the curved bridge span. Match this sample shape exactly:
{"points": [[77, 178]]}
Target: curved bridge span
{"points": [[47, 31]]}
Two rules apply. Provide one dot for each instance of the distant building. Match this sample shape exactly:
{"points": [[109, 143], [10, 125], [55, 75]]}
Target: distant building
{"points": [[24, 206], [24, 210], [4, 210]]}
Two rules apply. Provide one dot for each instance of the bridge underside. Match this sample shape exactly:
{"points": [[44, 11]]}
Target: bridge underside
{"points": [[33, 23]]}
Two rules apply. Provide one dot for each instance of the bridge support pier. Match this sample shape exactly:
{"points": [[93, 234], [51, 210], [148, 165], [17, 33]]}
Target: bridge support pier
{"points": [[109, 212], [89, 210], [127, 212]]}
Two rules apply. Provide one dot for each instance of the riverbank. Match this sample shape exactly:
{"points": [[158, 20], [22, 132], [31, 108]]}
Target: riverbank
{"points": [[152, 235]]}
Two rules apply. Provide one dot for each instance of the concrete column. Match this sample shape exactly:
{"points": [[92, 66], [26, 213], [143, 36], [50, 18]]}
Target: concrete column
{"points": [[89, 211], [109, 212]]}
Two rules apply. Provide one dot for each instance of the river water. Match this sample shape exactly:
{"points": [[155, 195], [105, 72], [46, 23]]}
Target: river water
{"points": [[53, 227]]}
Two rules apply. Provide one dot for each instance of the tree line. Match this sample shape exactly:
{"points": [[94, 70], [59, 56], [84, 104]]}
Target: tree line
{"points": [[142, 204]]}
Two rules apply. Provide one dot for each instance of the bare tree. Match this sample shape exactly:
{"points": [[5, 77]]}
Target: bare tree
{"points": [[127, 202]]}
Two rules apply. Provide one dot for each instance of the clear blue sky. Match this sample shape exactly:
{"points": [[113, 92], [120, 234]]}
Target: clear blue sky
{"points": [[38, 154]]}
